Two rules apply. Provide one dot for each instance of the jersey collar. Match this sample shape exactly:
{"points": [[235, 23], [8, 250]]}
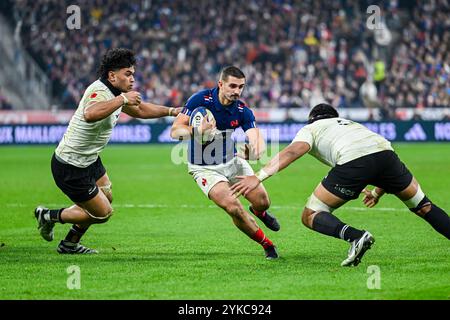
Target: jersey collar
{"points": [[116, 92]]}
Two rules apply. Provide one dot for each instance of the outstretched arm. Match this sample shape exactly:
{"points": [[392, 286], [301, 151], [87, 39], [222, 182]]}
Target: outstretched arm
{"points": [[283, 159], [147, 110], [99, 109]]}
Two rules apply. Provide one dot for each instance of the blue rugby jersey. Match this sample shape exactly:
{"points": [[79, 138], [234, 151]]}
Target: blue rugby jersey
{"points": [[223, 148]]}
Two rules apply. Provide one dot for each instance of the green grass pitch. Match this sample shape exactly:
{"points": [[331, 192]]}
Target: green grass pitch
{"points": [[167, 241]]}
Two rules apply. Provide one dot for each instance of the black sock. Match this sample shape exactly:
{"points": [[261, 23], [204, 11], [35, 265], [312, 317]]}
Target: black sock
{"points": [[439, 220], [328, 224], [54, 215], [75, 234]]}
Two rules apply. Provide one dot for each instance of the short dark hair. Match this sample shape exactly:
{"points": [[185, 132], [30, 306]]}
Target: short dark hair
{"points": [[322, 111], [114, 59], [231, 71]]}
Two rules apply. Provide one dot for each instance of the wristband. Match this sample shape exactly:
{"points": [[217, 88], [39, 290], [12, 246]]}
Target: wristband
{"points": [[125, 100], [262, 175], [170, 111], [375, 194]]}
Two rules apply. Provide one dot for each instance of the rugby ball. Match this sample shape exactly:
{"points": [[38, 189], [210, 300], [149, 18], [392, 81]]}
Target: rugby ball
{"points": [[196, 119]]}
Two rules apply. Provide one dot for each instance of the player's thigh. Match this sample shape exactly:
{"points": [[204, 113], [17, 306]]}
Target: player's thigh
{"points": [[241, 167], [100, 175], [103, 180], [395, 177], [105, 185], [328, 198], [346, 181], [238, 167], [79, 184], [99, 206], [207, 179]]}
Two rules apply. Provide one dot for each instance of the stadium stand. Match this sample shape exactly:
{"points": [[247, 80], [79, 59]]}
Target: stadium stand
{"points": [[23, 84], [295, 53]]}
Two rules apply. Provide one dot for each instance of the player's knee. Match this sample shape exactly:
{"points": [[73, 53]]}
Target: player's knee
{"points": [[101, 216], [307, 216], [104, 219], [262, 204], [234, 209]]}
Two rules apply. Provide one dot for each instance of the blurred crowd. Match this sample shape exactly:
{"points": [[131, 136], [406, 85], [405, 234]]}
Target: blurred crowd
{"points": [[419, 73], [4, 103], [294, 53]]}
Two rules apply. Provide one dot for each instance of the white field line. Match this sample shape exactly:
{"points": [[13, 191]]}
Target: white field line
{"points": [[188, 206]]}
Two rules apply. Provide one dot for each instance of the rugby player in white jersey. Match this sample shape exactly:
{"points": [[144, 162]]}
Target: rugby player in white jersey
{"points": [[358, 157], [76, 165]]}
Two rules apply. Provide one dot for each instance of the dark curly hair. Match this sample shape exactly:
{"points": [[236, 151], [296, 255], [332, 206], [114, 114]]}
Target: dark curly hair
{"points": [[322, 111], [115, 59]]}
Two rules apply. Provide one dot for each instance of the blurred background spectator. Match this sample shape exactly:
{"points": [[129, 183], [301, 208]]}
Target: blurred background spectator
{"points": [[4, 103], [295, 53]]}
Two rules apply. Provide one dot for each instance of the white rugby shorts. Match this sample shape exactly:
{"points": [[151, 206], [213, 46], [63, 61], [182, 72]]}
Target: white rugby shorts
{"points": [[208, 176]]}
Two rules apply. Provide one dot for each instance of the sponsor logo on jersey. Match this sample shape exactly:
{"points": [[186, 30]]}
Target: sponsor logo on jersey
{"points": [[345, 191]]}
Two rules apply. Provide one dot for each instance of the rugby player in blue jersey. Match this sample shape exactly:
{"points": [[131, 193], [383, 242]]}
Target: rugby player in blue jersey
{"points": [[215, 164]]}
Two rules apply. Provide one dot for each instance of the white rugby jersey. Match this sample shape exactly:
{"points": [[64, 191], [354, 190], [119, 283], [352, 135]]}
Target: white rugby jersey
{"points": [[83, 141], [337, 141]]}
